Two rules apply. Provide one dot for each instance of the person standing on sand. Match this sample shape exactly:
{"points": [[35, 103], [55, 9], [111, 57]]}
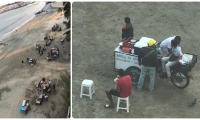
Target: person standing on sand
{"points": [[49, 83], [54, 87], [63, 49], [127, 30], [28, 107], [147, 59], [23, 64]]}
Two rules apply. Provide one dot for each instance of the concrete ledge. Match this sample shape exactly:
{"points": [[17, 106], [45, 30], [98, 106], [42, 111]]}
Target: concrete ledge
{"points": [[57, 5]]}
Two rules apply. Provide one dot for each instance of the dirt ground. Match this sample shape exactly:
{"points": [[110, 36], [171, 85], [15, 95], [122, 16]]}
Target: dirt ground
{"points": [[19, 82], [97, 32]]}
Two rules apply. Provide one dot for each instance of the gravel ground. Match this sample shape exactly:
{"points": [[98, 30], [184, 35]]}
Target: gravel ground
{"points": [[97, 32]]}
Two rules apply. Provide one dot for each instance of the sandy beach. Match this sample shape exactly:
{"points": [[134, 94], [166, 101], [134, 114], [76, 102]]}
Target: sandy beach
{"points": [[19, 82]]}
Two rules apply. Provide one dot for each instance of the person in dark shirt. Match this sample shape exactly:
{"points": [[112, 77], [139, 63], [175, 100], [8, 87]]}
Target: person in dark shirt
{"points": [[127, 30], [23, 63], [54, 87], [147, 59]]}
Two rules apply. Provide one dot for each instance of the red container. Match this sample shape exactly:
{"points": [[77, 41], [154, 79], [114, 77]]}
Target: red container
{"points": [[126, 49]]}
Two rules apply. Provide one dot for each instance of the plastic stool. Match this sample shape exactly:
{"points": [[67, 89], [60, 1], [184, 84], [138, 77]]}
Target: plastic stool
{"points": [[90, 84], [121, 100]]}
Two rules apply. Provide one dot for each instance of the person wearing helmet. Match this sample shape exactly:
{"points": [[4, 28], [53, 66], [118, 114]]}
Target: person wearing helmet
{"points": [[165, 45], [127, 30], [172, 58], [147, 59]]}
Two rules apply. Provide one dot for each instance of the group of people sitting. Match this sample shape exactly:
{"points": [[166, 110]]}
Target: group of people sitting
{"points": [[31, 61], [54, 53], [48, 40], [40, 98], [44, 87], [56, 28], [47, 37], [40, 49], [25, 106], [38, 46]]}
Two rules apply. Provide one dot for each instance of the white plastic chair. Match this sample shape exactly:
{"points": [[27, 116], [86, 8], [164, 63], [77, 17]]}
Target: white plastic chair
{"points": [[121, 100], [90, 84]]}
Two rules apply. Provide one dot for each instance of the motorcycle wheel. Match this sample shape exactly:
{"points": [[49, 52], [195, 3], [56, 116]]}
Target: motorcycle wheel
{"points": [[134, 72], [180, 79]]}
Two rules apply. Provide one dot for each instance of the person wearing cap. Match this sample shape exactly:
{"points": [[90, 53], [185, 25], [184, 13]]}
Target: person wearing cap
{"points": [[165, 45], [127, 30], [147, 59], [172, 58]]}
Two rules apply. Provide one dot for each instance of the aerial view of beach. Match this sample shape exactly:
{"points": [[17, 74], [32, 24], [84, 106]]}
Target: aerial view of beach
{"points": [[35, 60]]}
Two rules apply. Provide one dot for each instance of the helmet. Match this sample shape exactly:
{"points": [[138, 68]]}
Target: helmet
{"points": [[151, 42]]}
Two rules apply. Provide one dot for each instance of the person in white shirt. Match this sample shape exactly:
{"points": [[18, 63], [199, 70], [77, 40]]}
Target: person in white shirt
{"points": [[165, 45], [28, 107], [172, 58], [49, 91], [49, 82], [46, 97]]}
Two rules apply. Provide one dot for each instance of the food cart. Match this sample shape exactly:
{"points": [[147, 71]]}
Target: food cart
{"points": [[126, 58]]}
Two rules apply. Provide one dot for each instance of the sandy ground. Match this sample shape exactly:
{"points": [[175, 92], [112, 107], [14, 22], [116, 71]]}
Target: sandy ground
{"points": [[97, 32], [19, 82]]}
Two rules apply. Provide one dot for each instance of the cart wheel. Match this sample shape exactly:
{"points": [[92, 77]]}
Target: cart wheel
{"points": [[134, 72], [180, 79]]}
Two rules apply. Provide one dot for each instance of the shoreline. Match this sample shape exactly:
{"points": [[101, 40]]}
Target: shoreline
{"points": [[24, 23], [4, 36]]}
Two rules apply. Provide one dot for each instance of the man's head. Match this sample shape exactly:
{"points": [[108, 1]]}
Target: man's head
{"points": [[121, 72], [178, 39], [127, 20], [174, 43], [151, 43]]}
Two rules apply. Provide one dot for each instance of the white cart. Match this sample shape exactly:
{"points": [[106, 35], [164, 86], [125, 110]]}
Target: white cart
{"points": [[129, 61], [181, 73]]}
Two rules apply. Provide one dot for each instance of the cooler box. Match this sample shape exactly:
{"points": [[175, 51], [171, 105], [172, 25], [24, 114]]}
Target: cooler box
{"points": [[145, 39], [21, 108], [189, 57], [23, 102], [138, 46], [186, 59], [141, 43]]}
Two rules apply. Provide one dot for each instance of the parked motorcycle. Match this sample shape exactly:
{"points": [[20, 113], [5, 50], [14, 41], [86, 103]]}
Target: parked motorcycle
{"points": [[180, 73]]}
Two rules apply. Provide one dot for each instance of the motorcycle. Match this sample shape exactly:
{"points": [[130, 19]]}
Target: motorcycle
{"points": [[180, 73]]}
